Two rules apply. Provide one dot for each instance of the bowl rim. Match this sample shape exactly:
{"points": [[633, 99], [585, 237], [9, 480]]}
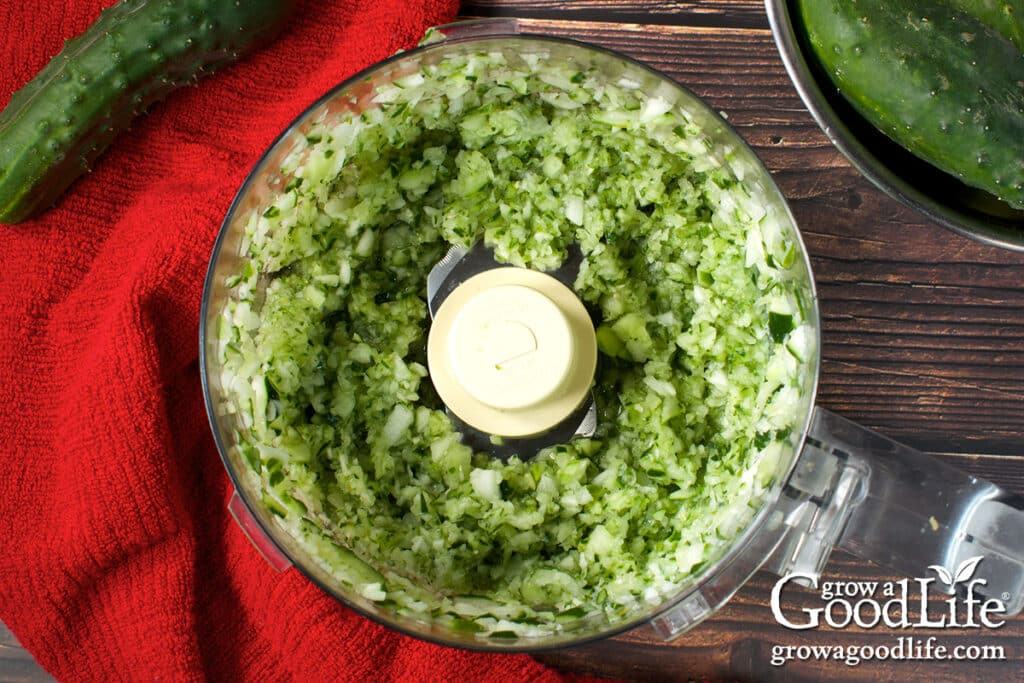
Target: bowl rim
{"points": [[733, 553], [969, 225]]}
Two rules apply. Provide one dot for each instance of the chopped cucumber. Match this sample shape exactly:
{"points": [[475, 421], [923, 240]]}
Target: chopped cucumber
{"points": [[322, 346]]}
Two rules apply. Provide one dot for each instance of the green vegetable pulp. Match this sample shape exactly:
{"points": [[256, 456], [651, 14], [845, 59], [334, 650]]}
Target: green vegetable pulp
{"points": [[322, 346]]}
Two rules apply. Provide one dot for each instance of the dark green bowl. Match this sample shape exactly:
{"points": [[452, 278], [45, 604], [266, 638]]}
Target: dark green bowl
{"points": [[903, 176]]}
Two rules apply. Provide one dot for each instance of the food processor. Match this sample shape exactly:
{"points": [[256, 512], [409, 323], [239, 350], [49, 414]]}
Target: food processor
{"points": [[512, 354]]}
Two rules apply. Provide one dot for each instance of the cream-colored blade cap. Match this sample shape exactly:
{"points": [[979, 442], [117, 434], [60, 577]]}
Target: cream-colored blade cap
{"points": [[512, 352]]}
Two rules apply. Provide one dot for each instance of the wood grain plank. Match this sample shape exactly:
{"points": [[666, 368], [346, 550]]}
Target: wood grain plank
{"points": [[730, 13]]}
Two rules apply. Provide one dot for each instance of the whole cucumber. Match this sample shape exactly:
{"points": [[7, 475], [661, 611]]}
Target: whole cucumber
{"points": [[136, 53], [940, 82]]}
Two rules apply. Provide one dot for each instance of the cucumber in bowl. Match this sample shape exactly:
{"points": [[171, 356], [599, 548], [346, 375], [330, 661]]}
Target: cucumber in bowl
{"points": [[942, 78]]}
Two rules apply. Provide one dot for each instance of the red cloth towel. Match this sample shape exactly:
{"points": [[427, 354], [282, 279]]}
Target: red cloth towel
{"points": [[119, 559]]}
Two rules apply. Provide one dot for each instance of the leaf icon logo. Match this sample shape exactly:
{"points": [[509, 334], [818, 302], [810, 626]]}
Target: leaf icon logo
{"points": [[964, 571], [943, 573]]}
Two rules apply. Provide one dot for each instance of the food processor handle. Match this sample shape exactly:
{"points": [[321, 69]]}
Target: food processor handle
{"points": [[854, 489]]}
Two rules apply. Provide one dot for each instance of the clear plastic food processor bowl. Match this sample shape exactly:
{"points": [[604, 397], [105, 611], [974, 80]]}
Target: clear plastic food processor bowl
{"points": [[838, 485]]}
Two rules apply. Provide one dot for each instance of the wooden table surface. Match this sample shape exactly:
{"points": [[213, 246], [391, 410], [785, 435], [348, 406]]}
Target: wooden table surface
{"points": [[923, 337]]}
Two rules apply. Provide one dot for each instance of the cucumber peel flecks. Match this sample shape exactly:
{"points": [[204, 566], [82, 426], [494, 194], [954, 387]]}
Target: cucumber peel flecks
{"points": [[945, 84], [136, 53]]}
